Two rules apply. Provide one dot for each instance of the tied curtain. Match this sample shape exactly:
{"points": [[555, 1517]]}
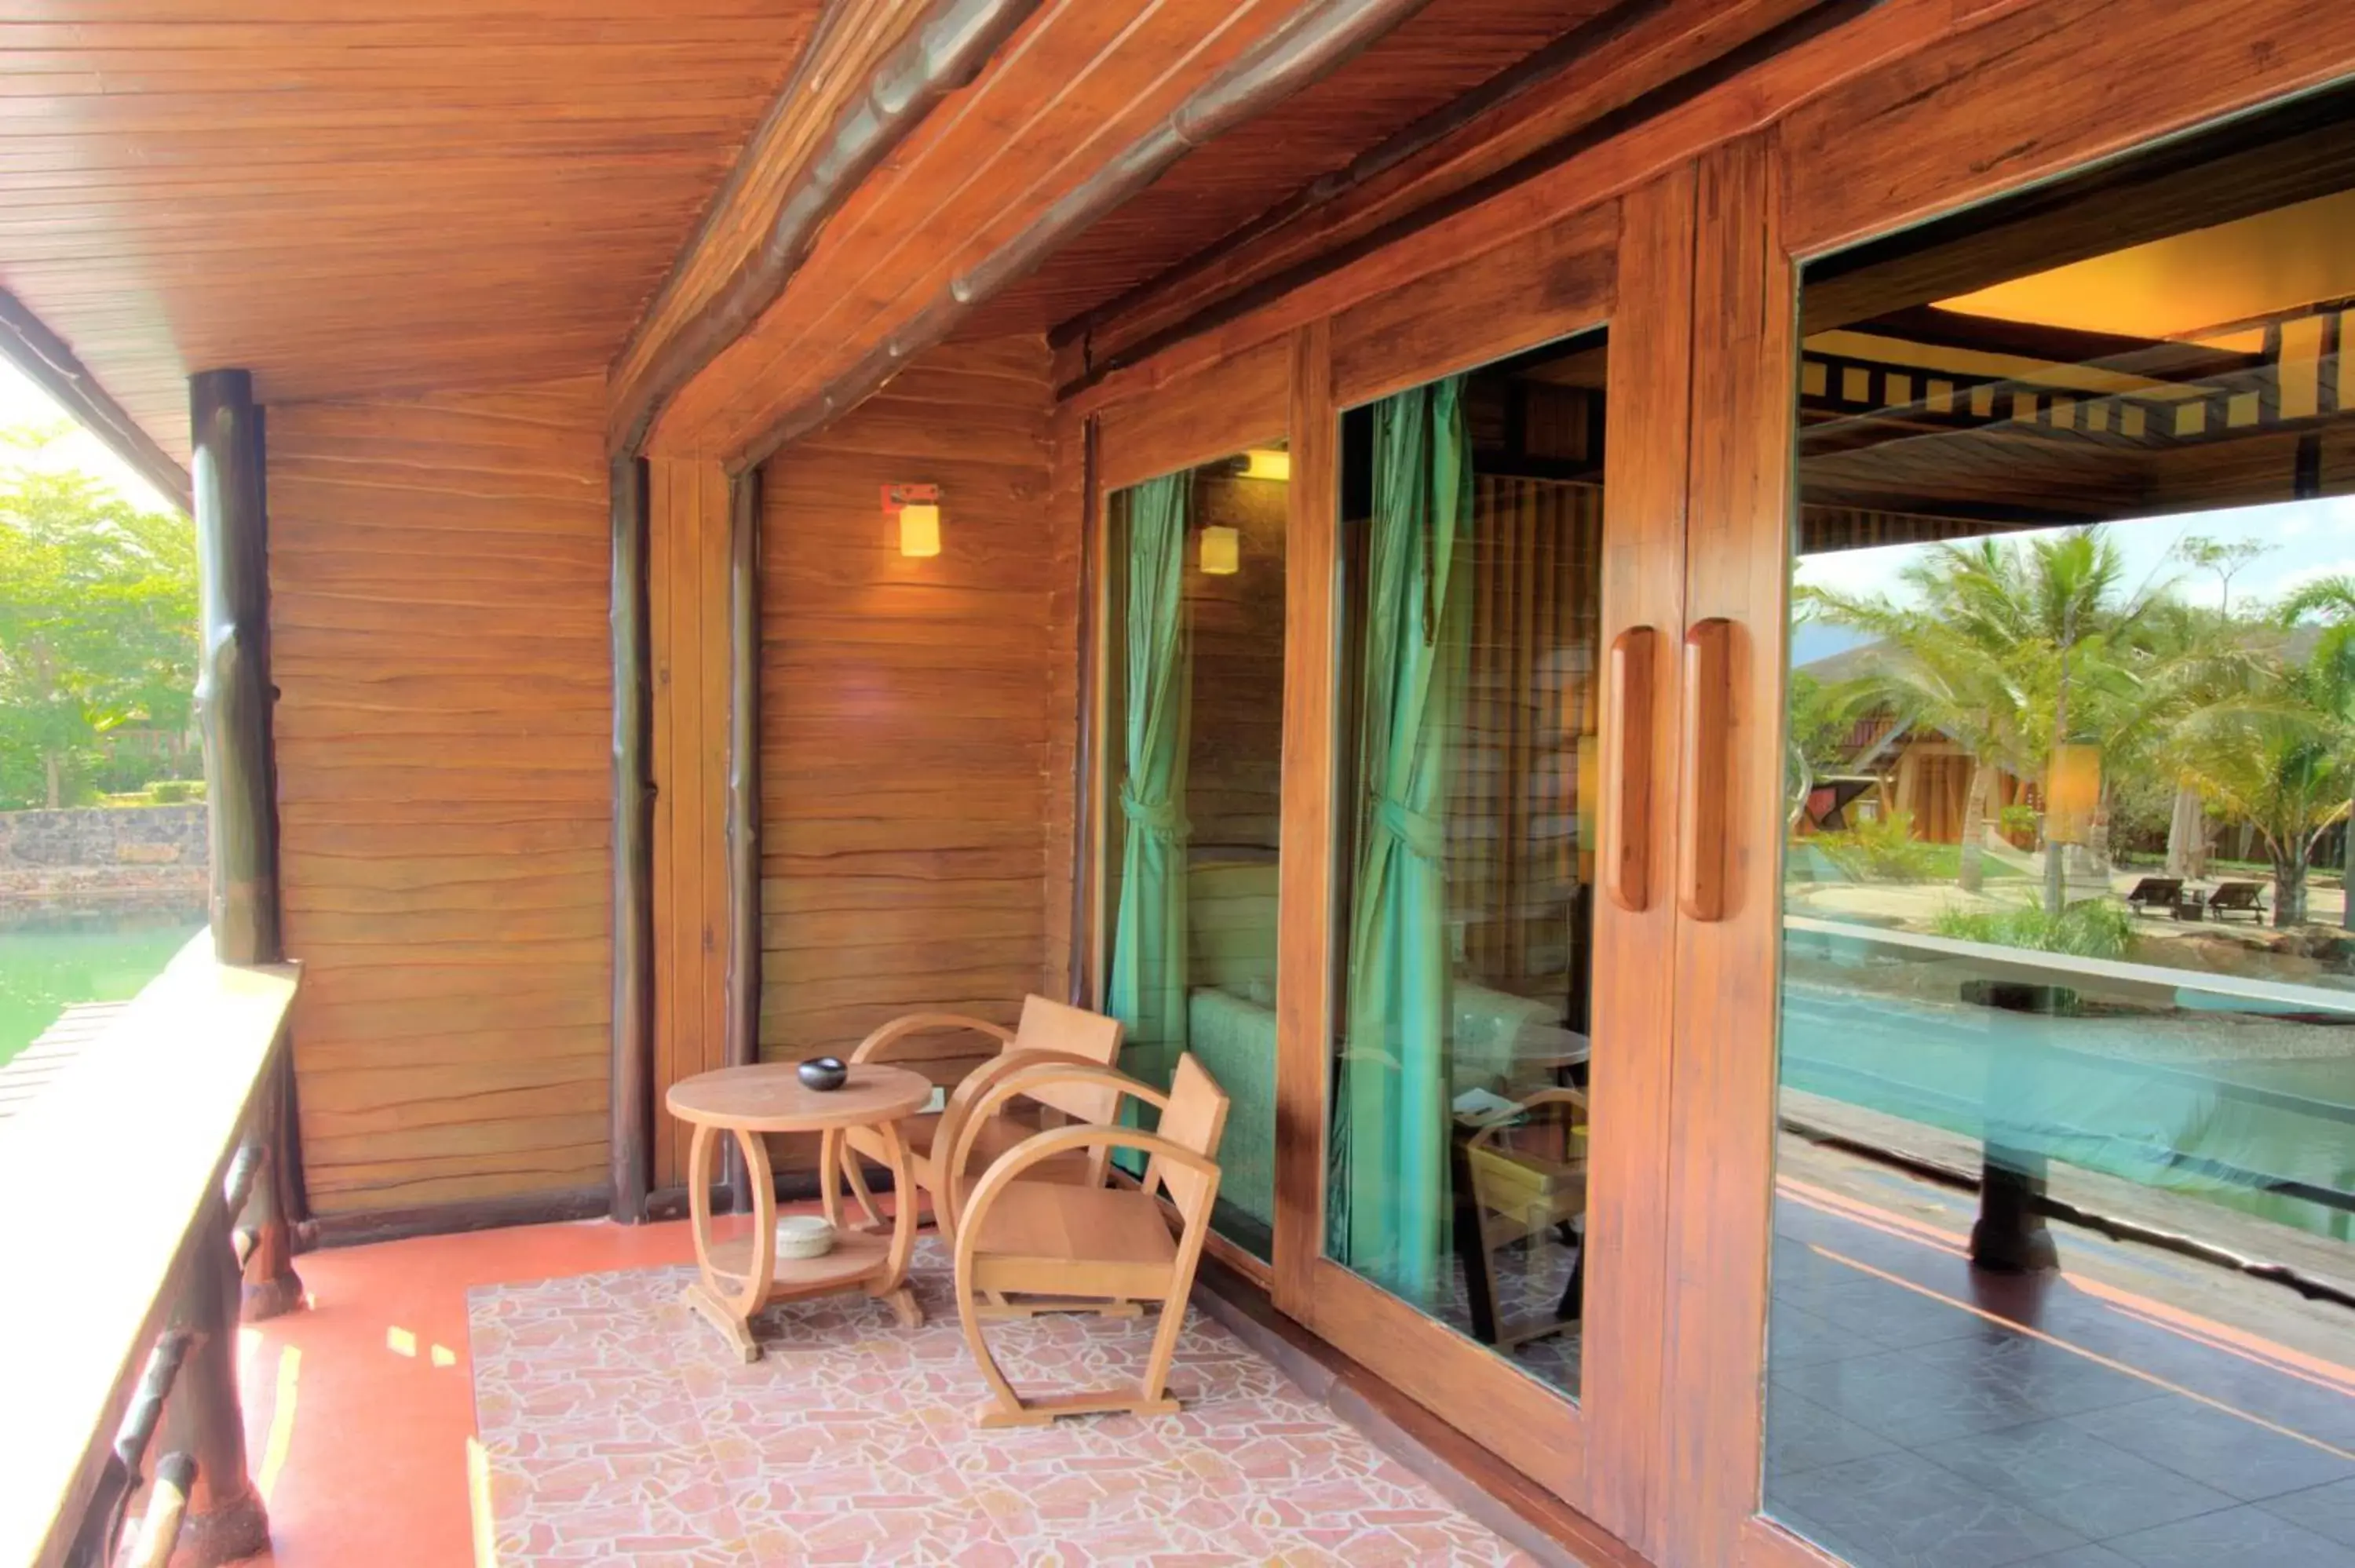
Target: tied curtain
{"points": [[1148, 986], [1390, 1200]]}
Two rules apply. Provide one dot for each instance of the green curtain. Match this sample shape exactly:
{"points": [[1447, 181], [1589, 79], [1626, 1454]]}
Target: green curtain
{"points": [[1390, 1204], [1147, 985]]}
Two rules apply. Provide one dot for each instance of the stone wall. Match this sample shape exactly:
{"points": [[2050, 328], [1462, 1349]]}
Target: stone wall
{"points": [[147, 858]]}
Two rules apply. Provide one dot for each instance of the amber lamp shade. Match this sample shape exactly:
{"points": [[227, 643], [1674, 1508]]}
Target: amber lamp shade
{"points": [[1222, 551], [919, 529], [1590, 791], [2073, 789]]}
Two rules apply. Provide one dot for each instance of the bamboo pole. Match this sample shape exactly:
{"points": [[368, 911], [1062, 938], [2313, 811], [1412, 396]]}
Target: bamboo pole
{"points": [[233, 711], [743, 1039], [632, 1111]]}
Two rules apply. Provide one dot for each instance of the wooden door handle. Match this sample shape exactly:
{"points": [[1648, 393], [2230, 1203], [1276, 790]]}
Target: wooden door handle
{"points": [[1702, 785], [1627, 807]]}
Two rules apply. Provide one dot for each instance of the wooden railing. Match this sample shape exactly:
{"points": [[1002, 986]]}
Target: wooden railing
{"points": [[119, 1321]]}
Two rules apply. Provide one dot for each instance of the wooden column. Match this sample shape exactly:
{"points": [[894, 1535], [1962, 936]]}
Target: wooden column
{"points": [[631, 1072], [743, 983], [233, 713]]}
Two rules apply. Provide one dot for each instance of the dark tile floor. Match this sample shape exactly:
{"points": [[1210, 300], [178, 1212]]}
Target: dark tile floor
{"points": [[1922, 1415]]}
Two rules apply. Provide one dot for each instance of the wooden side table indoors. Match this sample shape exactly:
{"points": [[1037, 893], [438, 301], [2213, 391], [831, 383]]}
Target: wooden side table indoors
{"points": [[741, 1276]]}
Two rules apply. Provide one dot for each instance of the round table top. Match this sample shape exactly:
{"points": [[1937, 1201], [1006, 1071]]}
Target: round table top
{"points": [[771, 1097]]}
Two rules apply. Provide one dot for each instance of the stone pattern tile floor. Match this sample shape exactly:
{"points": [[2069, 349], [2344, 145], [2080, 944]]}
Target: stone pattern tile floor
{"points": [[1923, 1414], [619, 1429]]}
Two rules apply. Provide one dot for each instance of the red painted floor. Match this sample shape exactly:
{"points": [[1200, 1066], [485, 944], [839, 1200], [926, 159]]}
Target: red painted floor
{"points": [[359, 1410]]}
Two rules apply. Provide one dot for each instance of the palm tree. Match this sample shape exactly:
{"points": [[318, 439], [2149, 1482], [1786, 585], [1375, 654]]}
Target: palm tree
{"points": [[2332, 600], [2007, 648], [2280, 761]]}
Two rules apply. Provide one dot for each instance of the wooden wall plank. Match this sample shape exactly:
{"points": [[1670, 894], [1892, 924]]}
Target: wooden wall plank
{"points": [[444, 793], [916, 714]]}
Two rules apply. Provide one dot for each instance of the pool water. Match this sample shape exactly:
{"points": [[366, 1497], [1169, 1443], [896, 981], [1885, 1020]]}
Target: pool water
{"points": [[45, 968]]}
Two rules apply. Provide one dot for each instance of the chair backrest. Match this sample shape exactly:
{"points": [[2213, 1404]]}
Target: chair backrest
{"points": [[1194, 1120], [2156, 889], [1052, 1026], [2235, 895]]}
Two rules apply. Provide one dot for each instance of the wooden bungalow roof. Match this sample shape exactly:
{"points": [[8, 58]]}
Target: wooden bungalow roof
{"points": [[352, 195]]}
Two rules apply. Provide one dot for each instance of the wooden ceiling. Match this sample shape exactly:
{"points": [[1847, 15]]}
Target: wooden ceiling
{"points": [[1080, 81], [351, 196], [1429, 61]]}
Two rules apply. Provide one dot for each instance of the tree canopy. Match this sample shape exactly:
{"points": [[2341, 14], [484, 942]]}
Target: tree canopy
{"points": [[98, 623]]}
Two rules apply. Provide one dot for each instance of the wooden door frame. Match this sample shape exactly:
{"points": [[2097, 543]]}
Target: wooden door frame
{"points": [[1216, 411], [1563, 278], [1881, 151]]}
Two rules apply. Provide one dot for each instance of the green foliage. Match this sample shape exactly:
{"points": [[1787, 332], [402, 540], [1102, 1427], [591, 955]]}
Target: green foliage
{"points": [[1882, 849], [1821, 718], [2090, 929], [98, 623]]}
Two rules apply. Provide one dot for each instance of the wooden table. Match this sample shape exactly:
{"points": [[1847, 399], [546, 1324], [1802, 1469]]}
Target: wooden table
{"points": [[742, 1277]]}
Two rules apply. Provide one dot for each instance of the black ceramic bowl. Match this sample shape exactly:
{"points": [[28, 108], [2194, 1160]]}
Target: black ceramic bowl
{"points": [[822, 1072]]}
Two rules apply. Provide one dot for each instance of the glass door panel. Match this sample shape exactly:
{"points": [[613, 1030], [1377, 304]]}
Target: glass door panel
{"points": [[2066, 1167], [1195, 728], [1470, 547]]}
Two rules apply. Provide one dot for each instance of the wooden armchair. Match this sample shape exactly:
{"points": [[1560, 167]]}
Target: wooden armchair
{"points": [[1528, 1175], [1048, 1033], [1089, 1246]]}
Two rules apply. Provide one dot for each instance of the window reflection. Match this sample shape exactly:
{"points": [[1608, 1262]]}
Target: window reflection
{"points": [[1472, 516], [2067, 1172], [1195, 743]]}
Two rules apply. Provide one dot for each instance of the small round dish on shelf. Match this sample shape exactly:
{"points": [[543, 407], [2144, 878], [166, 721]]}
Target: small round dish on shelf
{"points": [[804, 1237]]}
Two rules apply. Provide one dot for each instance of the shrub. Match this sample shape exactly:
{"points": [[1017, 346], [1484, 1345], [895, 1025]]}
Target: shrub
{"points": [[1882, 849], [177, 791], [2090, 929]]}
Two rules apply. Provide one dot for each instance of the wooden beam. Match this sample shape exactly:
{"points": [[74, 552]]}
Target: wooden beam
{"points": [[744, 1039], [938, 51], [28, 345], [632, 1067], [1319, 40]]}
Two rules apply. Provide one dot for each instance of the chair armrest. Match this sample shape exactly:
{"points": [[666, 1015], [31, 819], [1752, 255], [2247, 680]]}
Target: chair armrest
{"points": [[1040, 1145], [1060, 1067], [879, 1047]]}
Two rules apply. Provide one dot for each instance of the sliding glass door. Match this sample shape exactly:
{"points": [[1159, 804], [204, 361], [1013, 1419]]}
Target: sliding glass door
{"points": [[2065, 1168]]}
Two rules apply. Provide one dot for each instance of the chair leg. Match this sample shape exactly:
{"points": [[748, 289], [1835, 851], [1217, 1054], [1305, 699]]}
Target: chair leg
{"points": [[1005, 1407]]}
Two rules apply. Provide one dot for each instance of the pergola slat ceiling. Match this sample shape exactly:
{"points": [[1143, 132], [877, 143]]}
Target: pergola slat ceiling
{"points": [[351, 198]]}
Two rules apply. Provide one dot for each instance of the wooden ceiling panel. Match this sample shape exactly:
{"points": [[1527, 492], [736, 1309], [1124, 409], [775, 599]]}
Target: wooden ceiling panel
{"points": [[1427, 62], [1080, 81], [354, 198]]}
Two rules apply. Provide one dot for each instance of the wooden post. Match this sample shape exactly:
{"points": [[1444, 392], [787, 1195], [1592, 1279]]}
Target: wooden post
{"points": [[233, 674], [633, 1063], [1084, 871], [225, 1520], [233, 707], [743, 1042]]}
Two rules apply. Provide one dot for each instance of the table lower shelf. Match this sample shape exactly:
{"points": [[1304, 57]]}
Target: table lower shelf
{"points": [[855, 1258]]}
